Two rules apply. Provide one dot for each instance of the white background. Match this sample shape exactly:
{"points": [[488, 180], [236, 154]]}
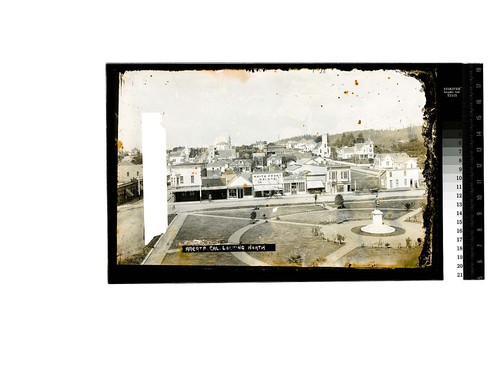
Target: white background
{"points": [[58, 313]]}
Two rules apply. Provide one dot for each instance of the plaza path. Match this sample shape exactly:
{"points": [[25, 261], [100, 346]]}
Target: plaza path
{"points": [[353, 240], [245, 257]]}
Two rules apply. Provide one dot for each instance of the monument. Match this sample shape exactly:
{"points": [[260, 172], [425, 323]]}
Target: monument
{"points": [[377, 226]]}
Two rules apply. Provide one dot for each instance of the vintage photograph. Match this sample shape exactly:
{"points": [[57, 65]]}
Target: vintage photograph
{"points": [[297, 167]]}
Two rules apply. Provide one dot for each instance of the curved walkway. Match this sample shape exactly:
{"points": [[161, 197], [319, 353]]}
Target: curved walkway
{"points": [[353, 240], [243, 256]]}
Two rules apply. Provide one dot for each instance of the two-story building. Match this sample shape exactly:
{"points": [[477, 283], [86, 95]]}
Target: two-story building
{"points": [[176, 157], [276, 160], [128, 171], [186, 181], [397, 160], [275, 149], [241, 165], [218, 166], [398, 171], [362, 152], [267, 183], [338, 179]]}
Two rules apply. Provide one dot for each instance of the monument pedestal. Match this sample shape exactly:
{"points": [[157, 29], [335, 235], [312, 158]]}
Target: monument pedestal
{"points": [[377, 226]]}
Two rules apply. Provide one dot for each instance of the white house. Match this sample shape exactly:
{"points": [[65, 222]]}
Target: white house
{"points": [[360, 151], [127, 171], [398, 171], [305, 145], [399, 178], [241, 165], [399, 160], [274, 160], [176, 157], [219, 165]]}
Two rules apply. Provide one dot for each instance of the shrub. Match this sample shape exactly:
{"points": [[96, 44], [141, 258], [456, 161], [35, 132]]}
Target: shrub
{"points": [[339, 201]]}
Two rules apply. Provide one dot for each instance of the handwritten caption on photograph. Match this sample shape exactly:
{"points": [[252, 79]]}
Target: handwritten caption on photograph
{"points": [[227, 248]]}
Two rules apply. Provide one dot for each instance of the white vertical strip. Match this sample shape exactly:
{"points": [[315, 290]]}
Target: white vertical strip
{"points": [[154, 145]]}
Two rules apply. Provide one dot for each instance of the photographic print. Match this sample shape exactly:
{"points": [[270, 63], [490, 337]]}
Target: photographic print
{"points": [[288, 168]]}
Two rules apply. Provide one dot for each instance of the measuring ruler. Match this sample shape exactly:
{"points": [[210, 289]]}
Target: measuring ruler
{"points": [[473, 165], [463, 191]]}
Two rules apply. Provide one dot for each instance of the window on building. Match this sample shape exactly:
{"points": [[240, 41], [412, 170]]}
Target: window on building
{"points": [[232, 193], [137, 173], [287, 188], [405, 172], [345, 175], [390, 184], [397, 182], [128, 174], [390, 174], [387, 162], [192, 179], [302, 186], [406, 182], [181, 179]]}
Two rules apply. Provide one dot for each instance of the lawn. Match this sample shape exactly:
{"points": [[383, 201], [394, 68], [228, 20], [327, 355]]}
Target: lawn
{"points": [[363, 182], [372, 257], [329, 217], [295, 245], [207, 230], [388, 204]]}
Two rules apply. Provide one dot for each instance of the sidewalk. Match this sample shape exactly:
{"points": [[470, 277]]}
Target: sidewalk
{"points": [[288, 200], [162, 247]]}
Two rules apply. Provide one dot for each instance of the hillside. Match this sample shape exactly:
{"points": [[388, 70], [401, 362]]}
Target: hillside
{"points": [[407, 140]]}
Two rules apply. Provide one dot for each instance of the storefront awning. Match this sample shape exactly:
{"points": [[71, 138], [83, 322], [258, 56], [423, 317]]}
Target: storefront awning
{"points": [[267, 187], [315, 185]]}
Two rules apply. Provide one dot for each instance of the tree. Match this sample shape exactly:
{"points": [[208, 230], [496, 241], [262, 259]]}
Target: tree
{"points": [[287, 159], [137, 158], [333, 153], [339, 201], [253, 215], [350, 140], [360, 138], [194, 152]]}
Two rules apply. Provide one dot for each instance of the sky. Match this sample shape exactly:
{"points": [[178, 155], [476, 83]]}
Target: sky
{"points": [[200, 107]]}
